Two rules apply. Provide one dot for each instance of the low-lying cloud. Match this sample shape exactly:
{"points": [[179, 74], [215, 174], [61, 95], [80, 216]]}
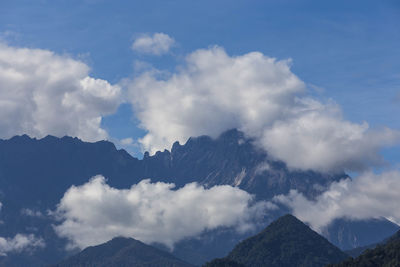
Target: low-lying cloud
{"points": [[43, 93], [367, 196], [94, 213], [259, 95], [19, 243]]}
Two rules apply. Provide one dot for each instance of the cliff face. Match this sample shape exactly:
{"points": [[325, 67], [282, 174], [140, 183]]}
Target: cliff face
{"points": [[232, 159]]}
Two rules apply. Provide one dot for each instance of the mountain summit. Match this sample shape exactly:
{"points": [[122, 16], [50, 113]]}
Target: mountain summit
{"points": [[123, 252], [286, 242]]}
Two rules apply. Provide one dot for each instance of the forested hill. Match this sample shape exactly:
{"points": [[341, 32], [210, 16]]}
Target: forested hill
{"points": [[123, 252], [286, 242]]}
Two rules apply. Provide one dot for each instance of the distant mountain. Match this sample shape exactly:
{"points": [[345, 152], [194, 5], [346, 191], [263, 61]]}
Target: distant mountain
{"points": [[384, 255], [29, 167], [233, 159], [350, 234], [120, 252], [285, 242]]}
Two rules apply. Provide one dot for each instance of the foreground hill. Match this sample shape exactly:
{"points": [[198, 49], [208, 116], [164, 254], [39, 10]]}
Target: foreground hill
{"points": [[384, 255], [121, 252], [285, 242]]}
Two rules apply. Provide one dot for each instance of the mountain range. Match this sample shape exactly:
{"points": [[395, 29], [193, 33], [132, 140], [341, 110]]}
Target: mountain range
{"points": [[35, 174], [286, 242]]}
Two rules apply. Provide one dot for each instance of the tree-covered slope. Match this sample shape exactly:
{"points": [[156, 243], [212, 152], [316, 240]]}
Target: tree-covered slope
{"points": [[285, 242], [384, 255]]}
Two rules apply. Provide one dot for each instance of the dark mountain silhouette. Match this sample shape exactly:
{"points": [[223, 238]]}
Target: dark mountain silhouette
{"points": [[57, 163], [285, 242], [120, 252], [386, 254]]}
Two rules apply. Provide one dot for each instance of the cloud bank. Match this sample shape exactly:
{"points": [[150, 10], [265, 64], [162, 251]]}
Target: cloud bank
{"points": [[44, 93], [152, 212], [367, 196], [259, 95], [20, 242], [156, 44]]}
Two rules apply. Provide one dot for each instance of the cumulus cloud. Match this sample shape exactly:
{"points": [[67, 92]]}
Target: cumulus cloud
{"points": [[316, 136], [213, 93], [44, 93], [259, 95], [152, 212], [367, 196], [20, 242], [156, 44]]}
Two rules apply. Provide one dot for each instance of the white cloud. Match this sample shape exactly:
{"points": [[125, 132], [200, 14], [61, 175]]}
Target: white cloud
{"points": [[157, 44], [43, 93], [213, 93], [152, 212], [316, 136], [20, 242], [259, 95], [367, 196]]}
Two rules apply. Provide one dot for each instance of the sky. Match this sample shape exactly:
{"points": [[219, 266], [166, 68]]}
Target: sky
{"points": [[314, 83], [345, 51]]}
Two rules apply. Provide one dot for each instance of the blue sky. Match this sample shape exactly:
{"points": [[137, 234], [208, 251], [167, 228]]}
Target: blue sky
{"points": [[347, 48]]}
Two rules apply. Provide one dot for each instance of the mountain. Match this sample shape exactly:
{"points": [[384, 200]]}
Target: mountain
{"points": [[120, 252], [285, 242], [233, 159], [350, 234], [35, 174], [384, 255], [29, 167], [355, 252]]}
